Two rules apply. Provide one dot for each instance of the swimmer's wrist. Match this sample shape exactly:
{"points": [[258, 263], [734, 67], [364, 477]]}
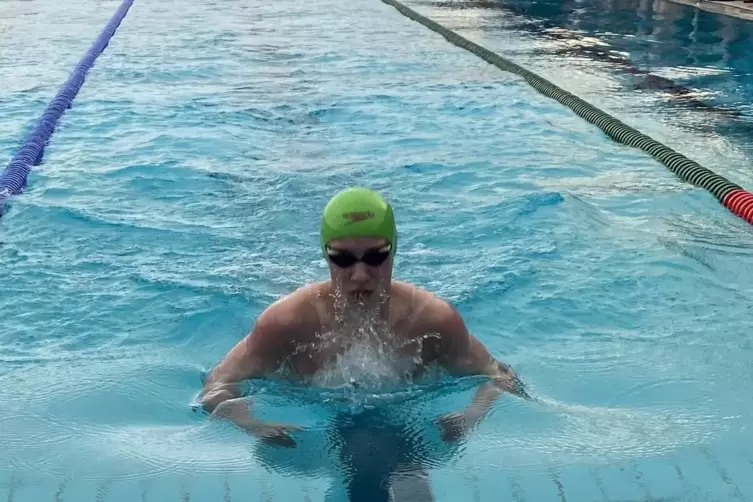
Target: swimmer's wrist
{"points": [[485, 397], [473, 414], [248, 423], [238, 413], [213, 399]]}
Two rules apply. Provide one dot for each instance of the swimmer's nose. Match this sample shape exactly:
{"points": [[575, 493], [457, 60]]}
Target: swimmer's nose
{"points": [[360, 273]]}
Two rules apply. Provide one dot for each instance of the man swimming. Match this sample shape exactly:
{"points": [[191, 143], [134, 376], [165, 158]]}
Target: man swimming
{"points": [[359, 240]]}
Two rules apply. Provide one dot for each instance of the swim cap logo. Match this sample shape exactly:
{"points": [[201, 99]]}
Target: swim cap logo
{"points": [[356, 216]]}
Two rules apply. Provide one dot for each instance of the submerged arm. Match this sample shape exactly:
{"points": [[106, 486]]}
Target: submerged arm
{"points": [[257, 355], [503, 379], [462, 354]]}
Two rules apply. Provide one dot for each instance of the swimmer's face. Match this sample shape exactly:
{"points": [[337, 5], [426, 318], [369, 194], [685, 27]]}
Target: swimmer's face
{"points": [[360, 267]]}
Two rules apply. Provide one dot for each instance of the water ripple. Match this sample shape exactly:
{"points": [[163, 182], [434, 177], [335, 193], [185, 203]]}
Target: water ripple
{"points": [[181, 195]]}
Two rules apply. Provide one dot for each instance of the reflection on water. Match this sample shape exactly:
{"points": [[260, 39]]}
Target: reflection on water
{"points": [[378, 435], [381, 457], [655, 33], [689, 57], [373, 446]]}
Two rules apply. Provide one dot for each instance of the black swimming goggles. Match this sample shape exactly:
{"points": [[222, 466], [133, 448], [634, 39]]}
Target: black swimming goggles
{"points": [[372, 257]]}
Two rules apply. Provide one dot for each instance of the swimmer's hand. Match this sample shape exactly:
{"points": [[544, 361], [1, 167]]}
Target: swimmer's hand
{"points": [[275, 434], [271, 433], [454, 426], [457, 425]]}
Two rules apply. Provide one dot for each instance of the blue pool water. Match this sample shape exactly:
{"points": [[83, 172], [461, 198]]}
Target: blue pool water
{"points": [[180, 196]]}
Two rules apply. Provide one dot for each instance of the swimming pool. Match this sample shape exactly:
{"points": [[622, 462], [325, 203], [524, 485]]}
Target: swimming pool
{"points": [[181, 194]]}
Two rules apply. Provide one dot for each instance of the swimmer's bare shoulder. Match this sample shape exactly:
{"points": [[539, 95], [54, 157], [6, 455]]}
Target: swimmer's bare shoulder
{"points": [[277, 331], [455, 348]]}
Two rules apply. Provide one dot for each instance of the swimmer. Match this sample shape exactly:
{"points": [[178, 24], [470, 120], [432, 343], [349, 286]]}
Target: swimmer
{"points": [[359, 240]]}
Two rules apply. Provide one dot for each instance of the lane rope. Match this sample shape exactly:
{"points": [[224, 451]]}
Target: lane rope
{"points": [[14, 178], [730, 195]]}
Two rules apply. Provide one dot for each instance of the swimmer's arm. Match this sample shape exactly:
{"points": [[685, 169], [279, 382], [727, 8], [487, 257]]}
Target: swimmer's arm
{"points": [[462, 354], [503, 379], [257, 355]]}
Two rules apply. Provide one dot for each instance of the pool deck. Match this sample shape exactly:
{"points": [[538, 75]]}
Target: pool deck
{"points": [[738, 9]]}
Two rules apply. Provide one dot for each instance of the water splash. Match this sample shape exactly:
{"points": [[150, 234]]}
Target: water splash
{"points": [[366, 352]]}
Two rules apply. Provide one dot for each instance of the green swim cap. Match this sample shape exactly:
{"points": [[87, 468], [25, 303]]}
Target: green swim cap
{"points": [[358, 212]]}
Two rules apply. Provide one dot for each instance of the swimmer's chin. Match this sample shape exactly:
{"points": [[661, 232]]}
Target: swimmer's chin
{"points": [[360, 296]]}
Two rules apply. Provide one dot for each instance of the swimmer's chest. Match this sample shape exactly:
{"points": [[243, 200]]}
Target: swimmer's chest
{"points": [[409, 353]]}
